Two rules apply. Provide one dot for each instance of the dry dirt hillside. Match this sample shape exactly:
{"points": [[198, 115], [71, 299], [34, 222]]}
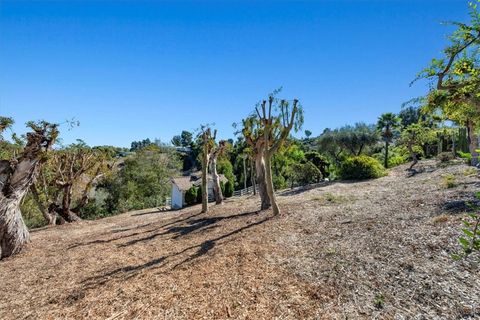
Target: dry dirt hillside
{"points": [[376, 249]]}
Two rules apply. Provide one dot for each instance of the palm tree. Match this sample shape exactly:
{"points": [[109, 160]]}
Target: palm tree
{"points": [[387, 124]]}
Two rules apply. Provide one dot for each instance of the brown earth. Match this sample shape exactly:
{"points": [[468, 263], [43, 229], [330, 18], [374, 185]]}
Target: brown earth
{"points": [[376, 249]]}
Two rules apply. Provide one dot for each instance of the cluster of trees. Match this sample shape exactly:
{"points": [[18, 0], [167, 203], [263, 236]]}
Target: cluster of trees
{"points": [[41, 184]]}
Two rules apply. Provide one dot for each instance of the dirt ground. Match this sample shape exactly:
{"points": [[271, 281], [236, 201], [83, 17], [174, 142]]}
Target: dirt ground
{"points": [[377, 249]]}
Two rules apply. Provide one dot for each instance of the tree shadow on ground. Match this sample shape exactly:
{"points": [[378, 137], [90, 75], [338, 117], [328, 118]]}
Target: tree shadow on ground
{"points": [[191, 253], [192, 226], [101, 241], [299, 190]]}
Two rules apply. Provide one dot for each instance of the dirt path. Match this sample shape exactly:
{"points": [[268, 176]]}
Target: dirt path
{"points": [[375, 249]]}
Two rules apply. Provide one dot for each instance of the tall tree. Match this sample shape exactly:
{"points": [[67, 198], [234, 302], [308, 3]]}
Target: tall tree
{"points": [[456, 80], [16, 177], [276, 129], [253, 134], [387, 124]]}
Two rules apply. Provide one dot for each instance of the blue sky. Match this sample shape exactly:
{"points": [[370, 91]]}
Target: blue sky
{"points": [[128, 70]]}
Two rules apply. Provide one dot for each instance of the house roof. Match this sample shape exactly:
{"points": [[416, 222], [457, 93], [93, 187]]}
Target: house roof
{"points": [[195, 179]]}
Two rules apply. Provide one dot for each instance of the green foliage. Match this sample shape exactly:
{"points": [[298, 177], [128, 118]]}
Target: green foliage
{"points": [[304, 173], [142, 182], [228, 189], [191, 195], [199, 194], [319, 161], [349, 140], [470, 241], [379, 301], [465, 155], [361, 167], [225, 167], [279, 182]]}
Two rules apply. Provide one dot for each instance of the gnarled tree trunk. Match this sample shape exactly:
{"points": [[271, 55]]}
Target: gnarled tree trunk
{"points": [[261, 181], [16, 180], [16, 177], [217, 190]]}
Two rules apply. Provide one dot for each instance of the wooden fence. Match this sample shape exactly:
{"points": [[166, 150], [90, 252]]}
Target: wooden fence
{"points": [[244, 192]]}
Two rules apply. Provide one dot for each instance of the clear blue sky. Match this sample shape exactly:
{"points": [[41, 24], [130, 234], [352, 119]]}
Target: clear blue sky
{"points": [[129, 70]]}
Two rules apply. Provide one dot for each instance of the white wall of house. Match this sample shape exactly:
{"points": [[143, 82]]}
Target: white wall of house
{"points": [[177, 197]]}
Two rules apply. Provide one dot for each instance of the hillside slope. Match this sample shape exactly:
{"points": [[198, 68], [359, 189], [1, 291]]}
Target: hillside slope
{"points": [[372, 249]]}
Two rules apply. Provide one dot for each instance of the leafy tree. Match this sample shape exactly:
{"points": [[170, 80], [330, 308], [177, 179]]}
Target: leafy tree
{"points": [[387, 124], [139, 145], [142, 181], [308, 133], [456, 79], [414, 137], [177, 141], [186, 138]]}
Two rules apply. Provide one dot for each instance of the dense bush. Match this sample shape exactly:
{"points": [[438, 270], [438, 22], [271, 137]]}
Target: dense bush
{"points": [[228, 189], [361, 167], [191, 196], [467, 156], [304, 173], [199, 194], [321, 162]]}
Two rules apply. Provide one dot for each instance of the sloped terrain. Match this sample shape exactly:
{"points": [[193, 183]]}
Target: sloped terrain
{"points": [[358, 250]]}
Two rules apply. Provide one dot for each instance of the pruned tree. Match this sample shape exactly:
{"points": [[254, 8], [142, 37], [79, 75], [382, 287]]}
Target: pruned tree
{"points": [[215, 152], [65, 183], [210, 153], [277, 120], [253, 135], [16, 177]]}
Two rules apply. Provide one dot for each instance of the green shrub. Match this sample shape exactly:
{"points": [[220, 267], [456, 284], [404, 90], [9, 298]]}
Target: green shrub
{"points": [[279, 182], [222, 187], [445, 156], [467, 156], [199, 194], [449, 181], [361, 167], [396, 161], [191, 195], [228, 189]]}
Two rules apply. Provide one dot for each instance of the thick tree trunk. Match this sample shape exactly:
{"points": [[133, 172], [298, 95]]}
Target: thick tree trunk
{"points": [[472, 142], [217, 190], [15, 182], [262, 186], [269, 185]]}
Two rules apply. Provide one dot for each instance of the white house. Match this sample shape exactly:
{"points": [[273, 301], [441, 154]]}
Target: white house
{"points": [[180, 185]]}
